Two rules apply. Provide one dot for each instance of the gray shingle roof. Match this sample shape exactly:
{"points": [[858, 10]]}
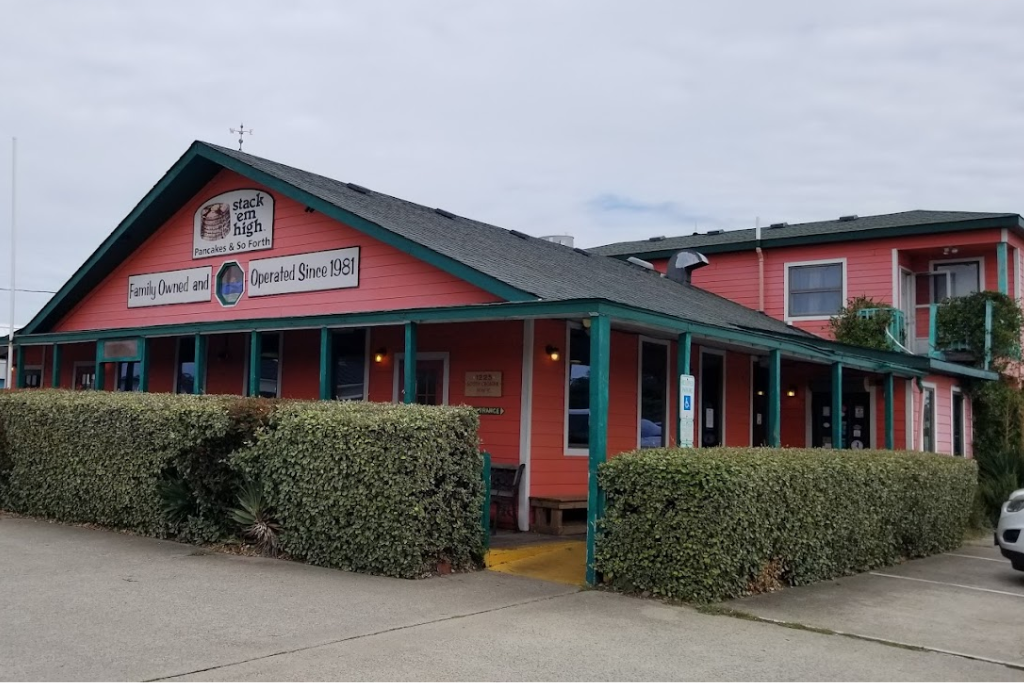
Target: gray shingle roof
{"points": [[861, 228], [546, 270]]}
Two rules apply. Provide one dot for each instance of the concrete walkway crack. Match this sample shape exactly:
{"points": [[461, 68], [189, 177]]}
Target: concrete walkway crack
{"points": [[361, 636]]}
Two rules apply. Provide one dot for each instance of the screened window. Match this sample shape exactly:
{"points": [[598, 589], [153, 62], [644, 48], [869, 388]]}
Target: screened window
{"points": [[653, 394], [579, 390], [928, 425], [186, 372], [815, 290], [964, 278], [348, 349]]}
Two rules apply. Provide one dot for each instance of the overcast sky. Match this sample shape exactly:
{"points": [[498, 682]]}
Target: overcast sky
{"points": [[605, 120]]}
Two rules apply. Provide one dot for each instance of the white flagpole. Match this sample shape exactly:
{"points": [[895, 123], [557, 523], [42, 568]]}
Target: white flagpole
{"points": [[10, 331]]}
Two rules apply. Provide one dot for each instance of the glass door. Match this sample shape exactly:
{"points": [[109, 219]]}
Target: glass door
{"points": [[430, 382]]}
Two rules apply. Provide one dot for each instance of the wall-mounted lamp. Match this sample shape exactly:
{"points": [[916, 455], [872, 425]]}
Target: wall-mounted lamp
{"points": [[760, 392], [791, 391], [380, 355], [552, 351]]}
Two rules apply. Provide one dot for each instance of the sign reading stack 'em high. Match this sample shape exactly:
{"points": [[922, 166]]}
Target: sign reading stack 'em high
{"points": [[232, 223]]}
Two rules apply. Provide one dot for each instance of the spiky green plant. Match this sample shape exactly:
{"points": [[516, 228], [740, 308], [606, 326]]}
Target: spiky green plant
{"points": [[256, 518], [176, 500]]}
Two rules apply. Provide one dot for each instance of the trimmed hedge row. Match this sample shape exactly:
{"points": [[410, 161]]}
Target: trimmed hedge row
{"points": [[712, 524], [369, 487]]}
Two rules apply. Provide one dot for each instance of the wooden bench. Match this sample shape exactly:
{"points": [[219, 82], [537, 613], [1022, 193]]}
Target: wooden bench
{"points": [[547, 514], [505, 481]]}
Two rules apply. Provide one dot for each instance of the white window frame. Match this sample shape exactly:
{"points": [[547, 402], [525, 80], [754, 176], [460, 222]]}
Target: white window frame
{"points": [[980, 260], [396, 396], [177, 357], [953, 391], [699, 426], [666, 430], [796, 264], [925, 386], [575, 452]]}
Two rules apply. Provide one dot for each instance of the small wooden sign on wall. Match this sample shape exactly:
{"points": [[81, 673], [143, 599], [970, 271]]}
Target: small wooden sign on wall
{"points": [[483, 384]]}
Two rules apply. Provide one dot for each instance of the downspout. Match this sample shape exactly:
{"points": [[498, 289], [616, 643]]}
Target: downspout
{"points": [[760, 264]]}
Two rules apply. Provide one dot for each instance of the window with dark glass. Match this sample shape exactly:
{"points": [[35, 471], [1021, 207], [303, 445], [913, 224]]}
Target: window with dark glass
{"points": [[579, 389], [815, 290], [129, 376], [653, 394], [186, 371], [270, 364], [33, 378], [958, 424], [348, 350], [928, 424]]}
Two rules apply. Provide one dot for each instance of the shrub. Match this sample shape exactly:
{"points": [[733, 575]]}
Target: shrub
{"points": [[712, 524], [369, 487], [105, 457], [849, 327], [960, 325], [998, 409]]}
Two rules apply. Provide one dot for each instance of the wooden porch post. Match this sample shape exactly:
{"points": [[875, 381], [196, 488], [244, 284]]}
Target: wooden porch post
{"points": [[837, 405], [890, 432], [55, 372], [255, 356], [99, 380], [683, 346], [144, 364], [325, 364], [199, 363], [600, 365], [410, 363], [774, 398]]}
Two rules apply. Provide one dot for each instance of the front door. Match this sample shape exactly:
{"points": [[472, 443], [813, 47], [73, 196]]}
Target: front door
{"points": [[712, 374], [856, 420], [430, 382]]}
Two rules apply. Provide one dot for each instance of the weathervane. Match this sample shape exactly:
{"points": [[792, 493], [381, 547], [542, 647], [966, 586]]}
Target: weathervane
{"points": [[241, 131]]}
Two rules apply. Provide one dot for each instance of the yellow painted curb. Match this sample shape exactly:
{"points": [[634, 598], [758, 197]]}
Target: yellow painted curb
{"points": [[559, 562]]}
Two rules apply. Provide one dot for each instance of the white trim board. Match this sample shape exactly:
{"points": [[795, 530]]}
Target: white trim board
{"points": [[526, 424]]}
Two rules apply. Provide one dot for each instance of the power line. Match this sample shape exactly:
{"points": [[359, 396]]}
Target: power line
{"points": [[30, 291]]}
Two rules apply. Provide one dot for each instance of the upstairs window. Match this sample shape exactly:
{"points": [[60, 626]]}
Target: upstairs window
{"points": [[961, 279], [814, 289]]}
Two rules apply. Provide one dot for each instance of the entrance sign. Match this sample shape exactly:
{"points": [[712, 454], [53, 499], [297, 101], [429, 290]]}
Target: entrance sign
{"points": [[233, 222], [336, 269], [687, 384], [189, 286], [489, 410], [483, 384]]}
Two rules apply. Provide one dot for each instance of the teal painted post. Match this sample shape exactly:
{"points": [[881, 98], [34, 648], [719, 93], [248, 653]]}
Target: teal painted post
{"points": [[19, 378], [988, 334], [837, 405], [199, 365], [1004, 280], [600, 352], [890, 417], [409, 395], [55, 374], [683, 347], [99, 380], [485, 514], [144, 365], [325, 364], [774, 398], [933, 336], [255, 354]]}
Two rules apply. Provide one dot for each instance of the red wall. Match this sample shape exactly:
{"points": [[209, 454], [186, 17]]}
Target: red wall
{"points": [[388, 280]]}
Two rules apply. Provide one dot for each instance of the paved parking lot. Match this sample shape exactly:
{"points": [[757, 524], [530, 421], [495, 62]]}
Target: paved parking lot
{"points": [[81, 604], [969, 602]]}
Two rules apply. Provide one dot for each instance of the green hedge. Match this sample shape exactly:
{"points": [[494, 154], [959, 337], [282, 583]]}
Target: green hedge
{"points": [[99, 457], [712, 524], [371, 487]]}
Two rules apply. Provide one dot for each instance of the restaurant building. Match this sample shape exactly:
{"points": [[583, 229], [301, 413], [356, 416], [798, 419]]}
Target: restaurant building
{"points": [[240, 275]]}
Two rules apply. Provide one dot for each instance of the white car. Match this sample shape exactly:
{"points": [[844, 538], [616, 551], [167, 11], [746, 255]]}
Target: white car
{"points": [[1010, 530]]}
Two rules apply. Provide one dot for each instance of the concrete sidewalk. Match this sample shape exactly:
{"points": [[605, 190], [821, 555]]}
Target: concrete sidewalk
{"points": [[83, 604]]}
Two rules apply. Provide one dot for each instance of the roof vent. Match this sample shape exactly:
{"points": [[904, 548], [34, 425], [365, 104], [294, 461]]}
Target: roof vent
{"points": [[446, 214], [715, 232], [564, 240], [656, 239], [520, 235], [847, 219], [358, 188], [683, 263], [581, 251], [647, 265], [778, 225]]}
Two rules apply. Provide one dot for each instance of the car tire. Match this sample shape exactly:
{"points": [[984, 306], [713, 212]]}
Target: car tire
{"points": [[1018, 565]]}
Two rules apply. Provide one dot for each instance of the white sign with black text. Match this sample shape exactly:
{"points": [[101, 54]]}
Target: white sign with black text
{"points": [[336, 269], [232, 223], [189, 286]]}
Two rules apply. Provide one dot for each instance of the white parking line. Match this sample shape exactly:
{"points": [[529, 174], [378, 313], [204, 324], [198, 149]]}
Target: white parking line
{"points": [[975, 557], [954, 585]]}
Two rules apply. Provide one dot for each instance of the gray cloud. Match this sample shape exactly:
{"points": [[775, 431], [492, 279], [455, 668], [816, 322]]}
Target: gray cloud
{"points": [[529, 115]]}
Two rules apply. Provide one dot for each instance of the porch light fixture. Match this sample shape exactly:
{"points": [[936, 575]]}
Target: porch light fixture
{"points": [[791, 391], [760, 392], [380, 355], [552, 352]]}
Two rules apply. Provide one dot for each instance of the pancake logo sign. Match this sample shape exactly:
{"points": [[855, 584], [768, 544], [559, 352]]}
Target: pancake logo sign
{"points": [[233, 223]]}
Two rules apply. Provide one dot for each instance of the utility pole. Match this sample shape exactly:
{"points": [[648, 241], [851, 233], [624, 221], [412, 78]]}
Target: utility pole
{"points": [[10, 331]]}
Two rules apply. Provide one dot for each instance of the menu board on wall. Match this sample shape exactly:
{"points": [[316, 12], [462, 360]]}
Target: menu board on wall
{"points": [[188, 286], [232, 223]]}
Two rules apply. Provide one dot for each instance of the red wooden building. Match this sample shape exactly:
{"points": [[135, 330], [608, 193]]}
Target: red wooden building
{"points": [[239, 275]]}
